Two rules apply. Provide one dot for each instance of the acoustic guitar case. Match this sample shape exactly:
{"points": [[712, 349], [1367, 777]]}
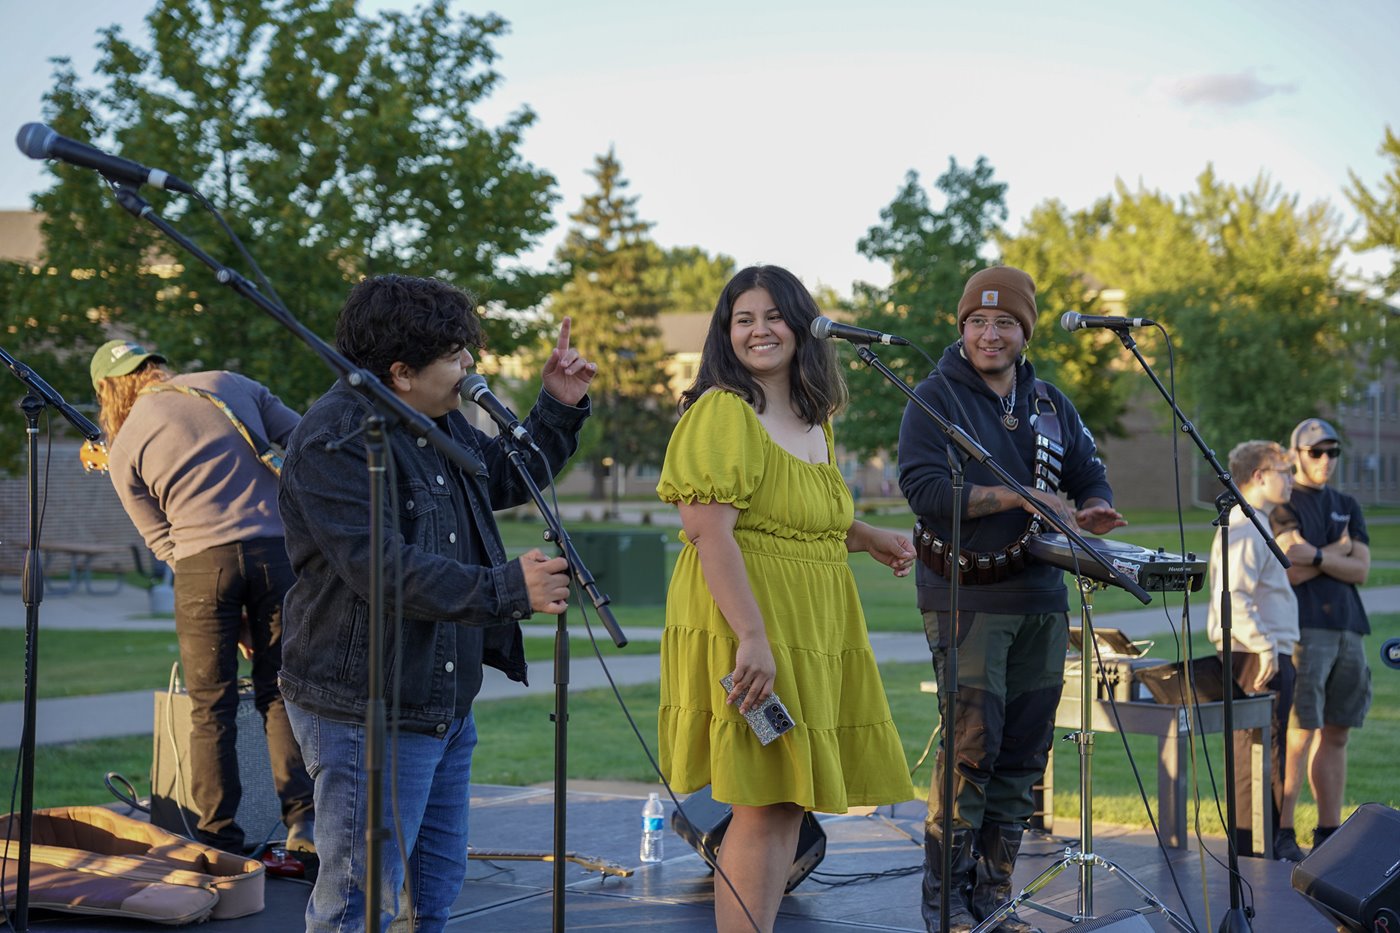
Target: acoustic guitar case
{"points": [[90, 860]]}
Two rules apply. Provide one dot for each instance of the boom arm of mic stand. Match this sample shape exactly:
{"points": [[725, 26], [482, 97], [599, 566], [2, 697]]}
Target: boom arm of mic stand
{"points": [[977, 452], [1221, 473], [395, 411], [561, 537], [49, 396]]}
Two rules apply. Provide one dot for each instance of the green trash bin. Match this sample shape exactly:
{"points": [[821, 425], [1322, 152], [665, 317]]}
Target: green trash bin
{"points": [[629, 566]]}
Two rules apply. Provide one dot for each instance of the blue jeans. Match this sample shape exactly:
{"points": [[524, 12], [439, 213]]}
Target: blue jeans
{"points": [[433, 793], [213, 591]]}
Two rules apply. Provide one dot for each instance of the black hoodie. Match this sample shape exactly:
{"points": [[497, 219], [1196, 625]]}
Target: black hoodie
{"points": [[927, 484]]}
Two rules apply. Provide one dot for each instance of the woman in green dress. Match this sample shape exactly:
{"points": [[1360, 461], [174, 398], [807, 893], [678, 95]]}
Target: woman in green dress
{"points": [[762, 590]]}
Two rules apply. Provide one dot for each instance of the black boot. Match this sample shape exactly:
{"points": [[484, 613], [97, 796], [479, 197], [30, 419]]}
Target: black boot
{"points": [[1000, 844], [964, 862]]}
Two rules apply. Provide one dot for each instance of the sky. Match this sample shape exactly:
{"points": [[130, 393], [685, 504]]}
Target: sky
{"points": [[776, 131]]}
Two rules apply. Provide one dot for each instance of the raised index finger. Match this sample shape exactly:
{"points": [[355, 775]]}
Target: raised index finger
{"points": [[564, 327]]}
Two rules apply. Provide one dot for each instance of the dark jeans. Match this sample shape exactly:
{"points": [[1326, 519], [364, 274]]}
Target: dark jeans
{"points": [[213, 590], [1281, 686]]}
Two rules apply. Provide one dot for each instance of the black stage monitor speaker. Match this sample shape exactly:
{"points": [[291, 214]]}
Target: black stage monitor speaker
{"points": [[1354, 877], [1120, 921], [172, 808], [705, 819]]}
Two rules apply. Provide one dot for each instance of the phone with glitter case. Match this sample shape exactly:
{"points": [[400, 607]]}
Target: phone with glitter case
{"points": [[768, 721]]}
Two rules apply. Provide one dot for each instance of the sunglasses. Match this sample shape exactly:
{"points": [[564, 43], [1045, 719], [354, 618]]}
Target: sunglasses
{"points": [[1317, 453]]}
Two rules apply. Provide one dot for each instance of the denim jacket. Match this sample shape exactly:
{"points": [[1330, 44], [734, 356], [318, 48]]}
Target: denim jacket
{"points": [[323, 498]]}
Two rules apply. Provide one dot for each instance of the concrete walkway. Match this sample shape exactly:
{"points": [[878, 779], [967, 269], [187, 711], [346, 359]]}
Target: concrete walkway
{"points": [[70, 719]]}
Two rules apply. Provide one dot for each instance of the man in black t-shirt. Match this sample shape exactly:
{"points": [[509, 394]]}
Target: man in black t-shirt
{"points": [[1324, 535]]}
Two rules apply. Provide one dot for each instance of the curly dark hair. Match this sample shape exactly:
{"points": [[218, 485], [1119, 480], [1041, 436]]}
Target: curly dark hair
{"points": [[404, 319], [818, 389]]}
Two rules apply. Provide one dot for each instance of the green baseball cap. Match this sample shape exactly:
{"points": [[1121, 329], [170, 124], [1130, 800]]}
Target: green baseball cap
{"points": [[119, 357]]}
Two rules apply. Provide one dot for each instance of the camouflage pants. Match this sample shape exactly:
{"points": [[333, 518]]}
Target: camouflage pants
{"points": [[1010, 674]]}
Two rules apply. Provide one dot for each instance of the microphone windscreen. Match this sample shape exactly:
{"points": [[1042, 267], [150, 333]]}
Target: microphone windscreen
{"points": [[821, 327], [1070, 320], [471, 385], [33, 140]]}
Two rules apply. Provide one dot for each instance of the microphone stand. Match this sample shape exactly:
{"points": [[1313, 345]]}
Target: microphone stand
{"points": [[32, 592], [554, 531], [949, 697], [390, 411], [1237, 918], [961, 446]]}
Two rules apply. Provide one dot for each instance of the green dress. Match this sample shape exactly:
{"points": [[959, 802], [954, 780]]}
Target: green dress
{"points": [[792, 526]]}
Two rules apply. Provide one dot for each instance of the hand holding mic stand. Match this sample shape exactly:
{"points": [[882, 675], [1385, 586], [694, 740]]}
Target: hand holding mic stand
{"points": [[1236, 918], [32, 593], [519, 444]]}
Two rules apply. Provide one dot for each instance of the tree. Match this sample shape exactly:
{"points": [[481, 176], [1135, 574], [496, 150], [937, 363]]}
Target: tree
{"points": [[614, 295], [1268, 330], [338, 145], [690, 279], [1380, 211], [931, 254], [1242, 278], [1055, 247]]}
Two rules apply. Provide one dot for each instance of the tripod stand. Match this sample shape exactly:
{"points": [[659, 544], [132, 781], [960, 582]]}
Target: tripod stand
{"points": [[1084, 857]]}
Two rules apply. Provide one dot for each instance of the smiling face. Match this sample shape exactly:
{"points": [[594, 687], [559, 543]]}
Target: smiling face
{"points": [[992, 342], [762, 341], [432, 389]]}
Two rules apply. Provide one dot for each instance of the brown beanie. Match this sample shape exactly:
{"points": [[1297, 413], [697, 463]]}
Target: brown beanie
{"points": [[1000, 288]]}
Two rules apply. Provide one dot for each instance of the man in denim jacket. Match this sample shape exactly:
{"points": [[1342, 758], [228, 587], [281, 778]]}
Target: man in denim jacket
{"points": [[462, 600]]}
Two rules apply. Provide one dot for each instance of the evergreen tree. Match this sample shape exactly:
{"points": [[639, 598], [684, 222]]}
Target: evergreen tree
{"points": [[614, 296]]}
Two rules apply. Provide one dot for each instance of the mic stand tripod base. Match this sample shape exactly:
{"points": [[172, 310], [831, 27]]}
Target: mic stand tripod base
{"points": [[1085, 859]]}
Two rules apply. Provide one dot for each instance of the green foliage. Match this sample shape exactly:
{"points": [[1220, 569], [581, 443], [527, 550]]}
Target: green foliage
{"points": [[614, 295], [690, 279], [1243, 278], [930, 253], [338, 146], [1054, 248], [1380, 211], [1255, 308]]}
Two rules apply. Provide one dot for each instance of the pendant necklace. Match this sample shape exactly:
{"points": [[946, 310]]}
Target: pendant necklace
{"points": [[1008, 404]]}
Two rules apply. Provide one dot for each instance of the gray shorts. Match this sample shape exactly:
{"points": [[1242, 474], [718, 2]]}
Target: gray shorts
{"points": [[1334, 681]]}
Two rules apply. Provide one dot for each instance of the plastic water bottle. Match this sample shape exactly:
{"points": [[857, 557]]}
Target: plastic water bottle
{"points": [[653, 821]]}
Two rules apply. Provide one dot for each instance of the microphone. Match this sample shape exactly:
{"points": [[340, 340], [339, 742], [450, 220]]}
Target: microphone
{"points": [[824, 327], [474, 387], [1073, 320], [41, 142]]}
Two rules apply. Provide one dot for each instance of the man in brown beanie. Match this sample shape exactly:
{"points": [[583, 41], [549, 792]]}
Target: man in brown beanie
{"points": [[1012, 613]]}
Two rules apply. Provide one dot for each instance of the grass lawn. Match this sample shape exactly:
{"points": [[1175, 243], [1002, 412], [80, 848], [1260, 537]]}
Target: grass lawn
{"points": [[517, 735], [83, 663], [517, 748]]}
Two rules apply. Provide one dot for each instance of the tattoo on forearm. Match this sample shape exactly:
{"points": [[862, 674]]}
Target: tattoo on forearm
{"points": [[982, 502]]}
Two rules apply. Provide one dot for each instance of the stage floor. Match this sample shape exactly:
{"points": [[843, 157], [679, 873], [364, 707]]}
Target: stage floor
{"points": [[675, 895]]}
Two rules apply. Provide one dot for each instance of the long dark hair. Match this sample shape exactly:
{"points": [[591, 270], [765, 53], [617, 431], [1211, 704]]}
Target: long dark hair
{"points": [[818, 389]]}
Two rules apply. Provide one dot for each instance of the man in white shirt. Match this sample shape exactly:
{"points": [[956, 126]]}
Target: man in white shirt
{"points": [[1263, 616]]}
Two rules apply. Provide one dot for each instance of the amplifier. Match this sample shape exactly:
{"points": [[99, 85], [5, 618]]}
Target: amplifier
{"points": [[1354, 877], [259, 810]]}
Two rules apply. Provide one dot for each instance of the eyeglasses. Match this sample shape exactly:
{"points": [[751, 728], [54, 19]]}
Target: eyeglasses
{"points": [[1003, 324], [1317, 453]]}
